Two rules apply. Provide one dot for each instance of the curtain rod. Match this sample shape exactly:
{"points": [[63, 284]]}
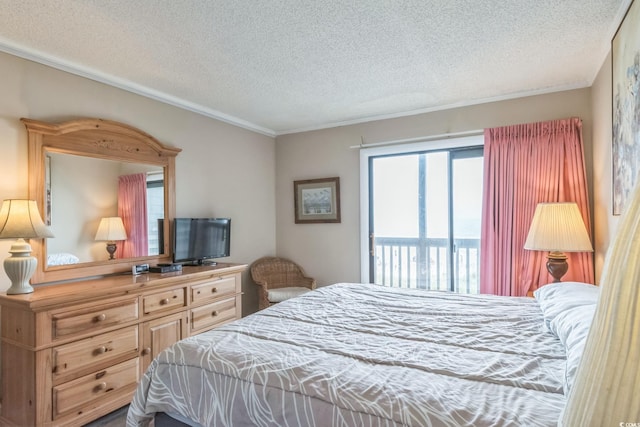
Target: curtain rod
{"points": [[419, 139]]}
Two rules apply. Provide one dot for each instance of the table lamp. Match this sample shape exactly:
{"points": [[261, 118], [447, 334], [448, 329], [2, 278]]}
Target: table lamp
{"points": [[110, 230], [20, 219], [558, 228]]}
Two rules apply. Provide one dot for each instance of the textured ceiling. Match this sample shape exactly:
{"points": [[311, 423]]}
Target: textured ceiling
{"points": [[280, 66]]}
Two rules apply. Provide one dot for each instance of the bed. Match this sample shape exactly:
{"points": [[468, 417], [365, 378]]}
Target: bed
{"points": [[366, 355]]}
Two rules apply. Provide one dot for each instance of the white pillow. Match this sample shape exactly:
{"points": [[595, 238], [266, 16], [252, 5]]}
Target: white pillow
{"points": [[568, 308], [555, 298], [572, 328], [62, 259]]}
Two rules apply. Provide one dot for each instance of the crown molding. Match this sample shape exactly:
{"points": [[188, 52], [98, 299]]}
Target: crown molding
{"points": [[92, 74]]}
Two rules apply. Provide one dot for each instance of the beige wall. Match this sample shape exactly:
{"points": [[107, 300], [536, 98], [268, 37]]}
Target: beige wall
{"points": [[85, 190], [331, 252], [223, 170], [605, 222], [255, 188]]}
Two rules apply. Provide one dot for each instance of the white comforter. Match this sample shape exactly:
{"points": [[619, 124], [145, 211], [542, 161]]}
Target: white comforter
{"points": [[364, 355]]}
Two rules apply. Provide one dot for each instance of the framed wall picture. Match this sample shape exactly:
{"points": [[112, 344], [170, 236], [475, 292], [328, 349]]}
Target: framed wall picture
{"points": [[317, 200], [625, 59]]}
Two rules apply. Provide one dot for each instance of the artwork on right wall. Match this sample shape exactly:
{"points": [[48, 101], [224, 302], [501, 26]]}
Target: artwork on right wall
{"points": [[625, 53]]}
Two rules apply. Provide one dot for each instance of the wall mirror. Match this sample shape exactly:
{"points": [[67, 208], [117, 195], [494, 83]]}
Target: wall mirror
{"points": [[82, 171]]}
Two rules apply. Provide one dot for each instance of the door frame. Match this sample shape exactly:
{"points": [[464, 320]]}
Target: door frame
{"points": [[365, 184]]}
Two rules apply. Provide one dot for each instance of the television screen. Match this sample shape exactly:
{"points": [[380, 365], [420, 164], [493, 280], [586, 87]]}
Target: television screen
{"points": [[196, 240]]}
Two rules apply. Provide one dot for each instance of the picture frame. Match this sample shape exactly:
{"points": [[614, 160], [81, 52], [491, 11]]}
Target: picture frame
{"points": [[317, 200], [625, 151]]}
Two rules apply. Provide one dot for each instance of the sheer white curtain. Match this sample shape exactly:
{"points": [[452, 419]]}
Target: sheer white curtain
{"points": [[606, 391]]}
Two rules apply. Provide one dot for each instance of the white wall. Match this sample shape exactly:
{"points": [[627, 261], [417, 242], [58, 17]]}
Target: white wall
{"points": [[330, 252], [223, 170]]}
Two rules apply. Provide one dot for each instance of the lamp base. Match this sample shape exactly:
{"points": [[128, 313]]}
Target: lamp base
{"points": [[111, 248], [557, 265], [20, 266]]}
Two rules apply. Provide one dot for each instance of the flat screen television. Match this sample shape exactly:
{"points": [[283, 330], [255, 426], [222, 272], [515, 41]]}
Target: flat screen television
{"points": [[198, 241]]}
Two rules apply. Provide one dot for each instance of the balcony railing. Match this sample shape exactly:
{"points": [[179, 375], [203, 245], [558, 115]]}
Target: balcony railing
{"points": [[423, 263]]}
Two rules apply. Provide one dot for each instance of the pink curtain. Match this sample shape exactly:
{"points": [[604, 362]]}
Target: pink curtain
{"points": [[525, 165], [132, 208]]}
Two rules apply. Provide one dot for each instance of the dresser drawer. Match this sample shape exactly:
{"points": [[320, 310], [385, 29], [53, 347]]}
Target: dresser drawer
{"points": [[83, 354], [215, 288], [163, 301], [78, 395], [93, 318], [213, 314]]}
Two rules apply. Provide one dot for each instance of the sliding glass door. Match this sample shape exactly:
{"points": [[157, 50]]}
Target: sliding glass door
{"points": [[466, 206], [424, 219]]}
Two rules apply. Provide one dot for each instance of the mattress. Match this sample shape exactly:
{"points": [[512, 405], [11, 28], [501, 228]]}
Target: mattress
{"points": [[365, 355]]}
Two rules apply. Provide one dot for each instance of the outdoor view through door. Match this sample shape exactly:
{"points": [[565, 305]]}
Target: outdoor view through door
{"points": [[425, 212]]}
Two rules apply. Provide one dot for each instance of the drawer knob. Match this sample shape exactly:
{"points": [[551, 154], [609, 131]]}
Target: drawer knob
{"points": [[100, 317], [164, 301], [101, 386], [101, 350], [214, 313], [146, 351], [214, 290]]}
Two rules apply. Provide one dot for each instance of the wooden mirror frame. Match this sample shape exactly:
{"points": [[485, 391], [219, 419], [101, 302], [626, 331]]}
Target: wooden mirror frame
{"points": [[101, 139]]}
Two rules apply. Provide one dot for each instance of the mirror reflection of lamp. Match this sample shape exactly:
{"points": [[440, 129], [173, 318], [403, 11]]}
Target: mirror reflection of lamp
{"points": [[20, 219], [111, 230]]}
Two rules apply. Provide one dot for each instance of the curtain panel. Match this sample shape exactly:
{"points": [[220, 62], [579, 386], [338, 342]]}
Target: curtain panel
{"points": [[525, 165], [132, 208]]}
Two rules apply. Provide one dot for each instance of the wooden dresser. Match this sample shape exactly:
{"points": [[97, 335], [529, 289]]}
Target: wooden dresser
{"points": [[73, 352]]}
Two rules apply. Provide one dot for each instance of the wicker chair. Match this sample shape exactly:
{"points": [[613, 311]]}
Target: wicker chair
{"points": [[279, 279]]}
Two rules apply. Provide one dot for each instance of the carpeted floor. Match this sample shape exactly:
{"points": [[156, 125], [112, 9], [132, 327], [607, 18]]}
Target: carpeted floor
{"points": [[116, 418]]}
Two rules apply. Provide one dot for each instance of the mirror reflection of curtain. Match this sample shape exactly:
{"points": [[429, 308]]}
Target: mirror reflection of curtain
{"points": [[132, 208]]}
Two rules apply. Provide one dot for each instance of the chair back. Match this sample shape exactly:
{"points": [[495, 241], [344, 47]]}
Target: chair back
{"points": [[275, 272]]}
